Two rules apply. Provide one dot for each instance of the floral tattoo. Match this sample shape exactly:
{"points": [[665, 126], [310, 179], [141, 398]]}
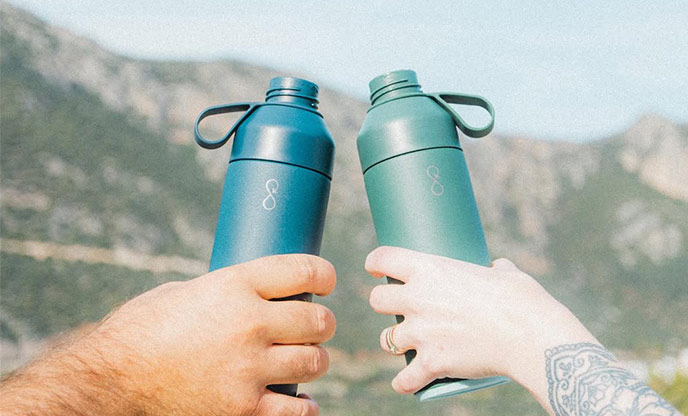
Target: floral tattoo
{"points": [[586, 380]]}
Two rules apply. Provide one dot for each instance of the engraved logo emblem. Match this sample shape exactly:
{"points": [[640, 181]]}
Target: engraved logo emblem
{"points": [[269, 203], [433, 173]]}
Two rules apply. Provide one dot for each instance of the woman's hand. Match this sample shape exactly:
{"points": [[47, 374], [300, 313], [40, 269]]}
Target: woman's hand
{"points": [[468, 321]]}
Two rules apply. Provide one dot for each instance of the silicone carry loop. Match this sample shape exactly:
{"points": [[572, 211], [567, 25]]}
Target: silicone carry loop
{"points": [[446, 98], [222, 109]]}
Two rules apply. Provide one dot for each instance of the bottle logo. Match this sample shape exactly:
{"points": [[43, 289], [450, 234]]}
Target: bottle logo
{"points": [[433, 173], [269, 203]]}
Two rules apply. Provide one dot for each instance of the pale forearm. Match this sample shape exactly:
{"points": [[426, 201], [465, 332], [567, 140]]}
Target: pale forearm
{"points": [[542, 331], [571, 374]]}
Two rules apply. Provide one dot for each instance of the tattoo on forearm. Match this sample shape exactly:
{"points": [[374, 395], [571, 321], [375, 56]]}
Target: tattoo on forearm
{"points": [[586, 380]]}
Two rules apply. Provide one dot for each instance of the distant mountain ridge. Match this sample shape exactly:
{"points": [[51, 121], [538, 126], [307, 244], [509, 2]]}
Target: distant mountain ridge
{"points": [[97, 162]]}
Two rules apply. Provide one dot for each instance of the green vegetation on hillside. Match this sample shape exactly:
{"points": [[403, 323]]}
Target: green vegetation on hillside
{"points": [[636, 307], [53, 296], [109, 181], [674, 391], [64, 142]]}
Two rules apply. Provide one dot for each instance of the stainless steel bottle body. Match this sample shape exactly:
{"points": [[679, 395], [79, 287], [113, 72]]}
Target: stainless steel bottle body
{"points": [[269, 208], [277, 183], [424, 201], [418, 186]]}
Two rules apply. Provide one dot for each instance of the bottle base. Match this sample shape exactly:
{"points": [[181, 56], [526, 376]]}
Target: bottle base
{"points": [[442, 390]]}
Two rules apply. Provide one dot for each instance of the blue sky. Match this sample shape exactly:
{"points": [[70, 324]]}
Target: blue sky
{"points": [[557, 70]]}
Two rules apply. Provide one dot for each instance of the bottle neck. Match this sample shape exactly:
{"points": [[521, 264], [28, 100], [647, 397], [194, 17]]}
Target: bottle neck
{"points": [[394, 93], [293, 99]]}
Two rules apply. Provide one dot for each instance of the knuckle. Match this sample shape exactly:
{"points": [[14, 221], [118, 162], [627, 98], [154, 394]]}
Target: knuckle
{"points": [[169, 286], [260, 407], [305, 409], [329, 278], [383, 251], [412, 304], [235, 272], [377, 255], [443, 267], [430, 367], [228, 279], [301, 408], [325, 321], [375, 298], [312, 409], [306, 269], [318, 363], [168, 290], [502, 263], [373, 256], [256, 329], [383, 339]]}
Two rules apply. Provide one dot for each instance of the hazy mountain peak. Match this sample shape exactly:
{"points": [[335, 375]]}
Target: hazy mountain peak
{"points": [[657, 150]]}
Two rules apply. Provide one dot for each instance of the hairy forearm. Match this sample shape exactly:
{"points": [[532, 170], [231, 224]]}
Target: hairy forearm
{"points": [[73, 378], [205, 346]]}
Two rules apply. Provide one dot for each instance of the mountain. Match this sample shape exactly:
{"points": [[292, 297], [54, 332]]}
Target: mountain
{"points": [[105, 194]]}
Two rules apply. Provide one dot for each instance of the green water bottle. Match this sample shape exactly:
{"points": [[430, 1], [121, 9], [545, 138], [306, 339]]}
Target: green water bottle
{"points": [[418, 186]]}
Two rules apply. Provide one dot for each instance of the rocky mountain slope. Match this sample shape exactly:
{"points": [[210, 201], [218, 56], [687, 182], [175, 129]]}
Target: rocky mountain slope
{"points": [[104, 194]]}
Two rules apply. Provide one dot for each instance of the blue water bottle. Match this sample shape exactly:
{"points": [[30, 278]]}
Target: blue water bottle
{"points": [[278, 179]]}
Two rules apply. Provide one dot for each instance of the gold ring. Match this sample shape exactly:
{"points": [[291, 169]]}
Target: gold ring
{"points": [[389, 337]]}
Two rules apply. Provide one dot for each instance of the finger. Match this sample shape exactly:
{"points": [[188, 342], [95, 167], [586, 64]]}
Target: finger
{"points": [[389, 299], [295, 322], [396, 262], [412, 378], [289, 274], [403, 264], [289, 364], [279, 404], [400, 337]]}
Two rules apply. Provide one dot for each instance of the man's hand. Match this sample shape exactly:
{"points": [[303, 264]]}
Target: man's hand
{"points": [[209, 345]]}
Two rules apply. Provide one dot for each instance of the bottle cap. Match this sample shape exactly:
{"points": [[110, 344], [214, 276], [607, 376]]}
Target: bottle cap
{"points": [[392, 81], [292, 87]]}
